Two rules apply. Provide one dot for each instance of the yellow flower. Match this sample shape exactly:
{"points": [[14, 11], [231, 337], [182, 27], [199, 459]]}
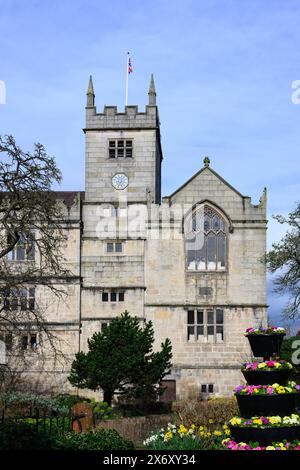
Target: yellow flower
{"points": [[225, 441], [193, 426], [168, 435], [182, 429], [201, 428], [227, 432], [201, 434], [208, 434], [270, 448], [225, 426], [275, 385], [236, 421], [217, 433], [257, 421], [262, 365], [256, 390], [211, 421], [275, 419]]}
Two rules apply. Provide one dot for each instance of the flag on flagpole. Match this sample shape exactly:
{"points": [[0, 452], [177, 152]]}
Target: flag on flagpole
{"points": [[130, 69]]}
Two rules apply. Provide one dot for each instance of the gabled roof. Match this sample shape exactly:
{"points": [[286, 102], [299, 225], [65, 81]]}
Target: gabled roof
{"points": [[207, 167]]}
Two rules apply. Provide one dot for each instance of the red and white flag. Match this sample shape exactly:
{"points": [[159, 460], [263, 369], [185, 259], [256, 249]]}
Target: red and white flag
{"points": [[130, 69]]}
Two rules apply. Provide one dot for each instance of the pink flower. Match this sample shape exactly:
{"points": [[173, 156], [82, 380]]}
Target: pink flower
{"points": [[270, 390], [271, 363]]}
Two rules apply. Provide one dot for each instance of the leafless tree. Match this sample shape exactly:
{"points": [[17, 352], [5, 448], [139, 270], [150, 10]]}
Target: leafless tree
{"points": [[31, 239]]}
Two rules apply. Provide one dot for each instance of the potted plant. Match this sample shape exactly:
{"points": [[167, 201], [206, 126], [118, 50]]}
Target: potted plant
{"points": [[265, 341], [256, 400], [267, 372], [265, 430]]}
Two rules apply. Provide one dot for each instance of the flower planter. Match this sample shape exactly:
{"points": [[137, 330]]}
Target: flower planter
{"points": [[265, 346], [267, 405], [267, 377], [265, 436]]}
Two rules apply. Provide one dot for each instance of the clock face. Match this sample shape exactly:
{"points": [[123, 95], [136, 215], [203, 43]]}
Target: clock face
{"points": [[120, 181]]}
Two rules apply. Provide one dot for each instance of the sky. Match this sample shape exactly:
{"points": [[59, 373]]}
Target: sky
{"points": [[224, 71]]}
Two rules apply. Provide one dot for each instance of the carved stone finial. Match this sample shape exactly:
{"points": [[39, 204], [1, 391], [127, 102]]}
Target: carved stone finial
{"points": [[206, 162], [152, 92], [90, 101], [263, 199]]}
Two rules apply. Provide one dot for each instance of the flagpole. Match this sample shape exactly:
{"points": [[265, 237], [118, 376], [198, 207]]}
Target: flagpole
{"points": [[127, 65]]}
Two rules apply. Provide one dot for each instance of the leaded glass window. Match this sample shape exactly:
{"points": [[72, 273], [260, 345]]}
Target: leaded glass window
{"points": [[205, 239]]}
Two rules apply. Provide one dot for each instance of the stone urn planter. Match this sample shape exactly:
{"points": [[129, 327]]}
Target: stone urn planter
{"points": [[265, 345], [265, 436], [267, 405], [266, 377]]}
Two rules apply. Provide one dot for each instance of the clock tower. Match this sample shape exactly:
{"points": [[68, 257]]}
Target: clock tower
{"points": [[123, 152]]}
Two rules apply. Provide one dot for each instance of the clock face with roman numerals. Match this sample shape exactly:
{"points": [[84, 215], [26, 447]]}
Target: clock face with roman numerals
{"points": [[120, 181]]}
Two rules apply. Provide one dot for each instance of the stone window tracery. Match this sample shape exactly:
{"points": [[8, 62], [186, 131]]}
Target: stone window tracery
{"points": [[205, 239]]}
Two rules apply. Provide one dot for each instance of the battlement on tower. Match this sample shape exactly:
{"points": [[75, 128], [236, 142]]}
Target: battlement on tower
{"points": [[131, 118]]}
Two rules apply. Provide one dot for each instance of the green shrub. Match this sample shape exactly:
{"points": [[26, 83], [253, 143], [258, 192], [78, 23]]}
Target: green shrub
{"points": [[67, 400], [19, 403], [98, 439], [101, 409], [22, 436]]}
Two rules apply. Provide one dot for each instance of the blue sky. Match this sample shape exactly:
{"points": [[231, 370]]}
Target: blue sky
{"points": [[223, 72]]}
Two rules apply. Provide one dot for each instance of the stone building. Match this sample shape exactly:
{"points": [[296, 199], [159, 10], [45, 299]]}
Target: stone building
{"points": [[190, 262]]}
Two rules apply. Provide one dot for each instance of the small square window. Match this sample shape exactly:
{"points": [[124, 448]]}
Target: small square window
{"points": [[219, 315], [129, 153], [210, 317], [113, 296], [104, 296], [120, 143], [200, 331], [128, 143], [112, 153], [112, 143], [203, 388], [210, 388], [121, 296], [109, 247], [200, 317], [191, 333], [33, 342], [190, 317], [119, 247], [24, 342]]}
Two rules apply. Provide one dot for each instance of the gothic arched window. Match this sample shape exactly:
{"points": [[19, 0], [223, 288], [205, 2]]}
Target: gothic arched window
{"points": [[205, 239]]}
